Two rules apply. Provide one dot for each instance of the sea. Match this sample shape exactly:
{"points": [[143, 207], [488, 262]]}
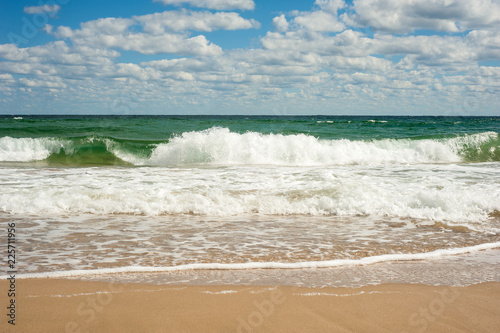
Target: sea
{"points": [[302, 200]]}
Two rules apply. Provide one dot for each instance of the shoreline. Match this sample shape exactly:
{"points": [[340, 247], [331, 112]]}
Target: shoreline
{"points": [[461, 269], [64, 305]]}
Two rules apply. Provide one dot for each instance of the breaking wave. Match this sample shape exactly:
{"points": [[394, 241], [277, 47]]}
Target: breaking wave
{"points": [[220, 146]]}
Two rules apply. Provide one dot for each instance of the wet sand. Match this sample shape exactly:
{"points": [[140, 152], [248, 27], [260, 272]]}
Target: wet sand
{"points": [[63, 305]]}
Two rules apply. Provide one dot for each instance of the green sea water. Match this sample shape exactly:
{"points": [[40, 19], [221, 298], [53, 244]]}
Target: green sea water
{"points": [[105, 140]]}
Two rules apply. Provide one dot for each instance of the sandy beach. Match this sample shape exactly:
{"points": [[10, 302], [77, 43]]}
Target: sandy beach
{"points": [[63, 305]]}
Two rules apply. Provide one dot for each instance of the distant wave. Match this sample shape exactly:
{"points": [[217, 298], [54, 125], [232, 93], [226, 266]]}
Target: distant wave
{"points": [[220, 146]]}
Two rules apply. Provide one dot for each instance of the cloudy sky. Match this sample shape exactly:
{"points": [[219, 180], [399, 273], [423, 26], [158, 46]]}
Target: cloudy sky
{"points": [[406, 57]]}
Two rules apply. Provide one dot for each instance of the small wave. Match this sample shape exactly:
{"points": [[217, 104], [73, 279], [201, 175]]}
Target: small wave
{"points": [[267, 265], [75, 151], [28, 149]]}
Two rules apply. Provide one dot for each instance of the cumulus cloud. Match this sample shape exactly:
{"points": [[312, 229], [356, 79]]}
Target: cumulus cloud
{"points": [[213, 4], [47, 82], [395, 16], [309, 56], [158, 23], [56, 58], [159, 32], [152, 44], [486, 44], [319, 21], [12, 52], [280, 23], [331, 6], [49, 9], [214, 65], [323, 19], [347, 43], [117, 33]]}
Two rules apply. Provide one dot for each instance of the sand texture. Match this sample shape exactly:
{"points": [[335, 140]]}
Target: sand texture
{"points": [[63, 305]]}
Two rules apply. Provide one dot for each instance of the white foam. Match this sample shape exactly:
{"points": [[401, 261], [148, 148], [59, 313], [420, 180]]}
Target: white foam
{"points": [[72, 295], [27, 149], [221, 146], [454, 193], [222, 292], [266, 265], [344, 295]]}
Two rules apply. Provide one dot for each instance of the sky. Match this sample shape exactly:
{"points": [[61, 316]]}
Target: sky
{"points": [[251, 57]]}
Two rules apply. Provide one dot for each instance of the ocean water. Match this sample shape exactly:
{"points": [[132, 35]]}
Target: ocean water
{"points": [[124, 194]]}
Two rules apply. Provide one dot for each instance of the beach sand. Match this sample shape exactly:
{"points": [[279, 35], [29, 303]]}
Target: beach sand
{"points": [[65, 305]]}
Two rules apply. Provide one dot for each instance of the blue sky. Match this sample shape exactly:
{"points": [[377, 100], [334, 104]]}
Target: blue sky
{"points": [[398, 57]]}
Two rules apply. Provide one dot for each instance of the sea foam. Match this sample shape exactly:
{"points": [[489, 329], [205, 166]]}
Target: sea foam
{"points": [[221, 146], [458, 193], [27, 149], [266, 265]]}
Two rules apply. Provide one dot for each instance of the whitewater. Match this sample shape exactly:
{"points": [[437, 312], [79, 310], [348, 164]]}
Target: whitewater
{"points": [[220, 146], [96, 195]]}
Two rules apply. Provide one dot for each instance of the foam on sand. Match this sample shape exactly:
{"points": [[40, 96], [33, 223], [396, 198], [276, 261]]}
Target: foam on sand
{"points": [[265, 265]]}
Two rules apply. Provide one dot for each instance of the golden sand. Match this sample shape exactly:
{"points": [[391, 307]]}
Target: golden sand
{"points": [[63, 305]]}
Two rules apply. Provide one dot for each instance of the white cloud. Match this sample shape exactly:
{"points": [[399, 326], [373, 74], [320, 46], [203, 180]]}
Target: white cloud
{"points": [[158, 23], [396, 16], [187, 65], [6, 77], [48, 28], [324, 19], [430, 50], [56, 59], [152, 44], [12, 52], [46, 82], [213, 4], [449, 51], [331, 6], [367, 78], [319, 21], [280, 23], [117, 33], [106, 26], [309, 59], [367, 63], [485, 43], [347, 43], [49, 9]]}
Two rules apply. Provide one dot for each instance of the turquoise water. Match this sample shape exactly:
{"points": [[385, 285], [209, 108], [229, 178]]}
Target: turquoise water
{"points": [[132, 193]]}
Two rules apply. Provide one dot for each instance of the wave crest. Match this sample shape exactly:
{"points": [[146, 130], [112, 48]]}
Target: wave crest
{"points": [[27, 149], [221, 146]]}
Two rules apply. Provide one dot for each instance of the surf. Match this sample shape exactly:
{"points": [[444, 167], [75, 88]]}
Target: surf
{"points": [[221, 146]]}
